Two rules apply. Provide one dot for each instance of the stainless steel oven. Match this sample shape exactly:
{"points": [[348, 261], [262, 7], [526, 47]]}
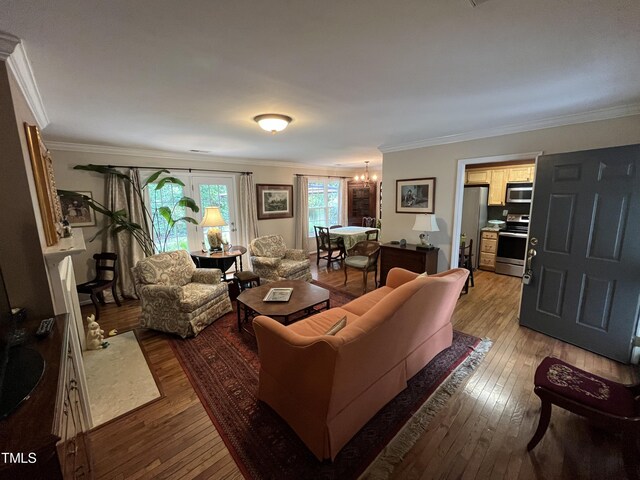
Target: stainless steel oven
{"points": [[512, 246], [519, 192]]}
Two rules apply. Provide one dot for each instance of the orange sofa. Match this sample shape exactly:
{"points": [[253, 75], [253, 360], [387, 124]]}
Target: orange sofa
{"points": [[327, 387]]}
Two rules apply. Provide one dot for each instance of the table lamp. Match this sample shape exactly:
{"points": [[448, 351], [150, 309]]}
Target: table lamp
{"points": [[425, 223], [213, 218]]}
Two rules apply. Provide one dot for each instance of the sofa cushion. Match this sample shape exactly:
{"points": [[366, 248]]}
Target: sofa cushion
{"points": [[290, 267], [168, 268], [195, 295], [339, 325], [319, 323], [357, 261], [363, 304]]}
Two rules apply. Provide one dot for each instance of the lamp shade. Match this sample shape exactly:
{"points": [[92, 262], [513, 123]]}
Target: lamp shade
{"points": [[425, 223], [212, 218]]}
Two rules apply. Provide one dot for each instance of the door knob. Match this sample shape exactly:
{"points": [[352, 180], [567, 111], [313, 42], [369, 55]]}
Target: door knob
{"points": [[532, 253]]}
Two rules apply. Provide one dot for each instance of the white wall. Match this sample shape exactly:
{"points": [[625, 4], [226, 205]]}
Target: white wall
{"points": [[78, 180], [441, 162]]}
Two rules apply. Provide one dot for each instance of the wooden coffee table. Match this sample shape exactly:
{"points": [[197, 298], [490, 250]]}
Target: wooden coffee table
{"points": [[304, 301]]}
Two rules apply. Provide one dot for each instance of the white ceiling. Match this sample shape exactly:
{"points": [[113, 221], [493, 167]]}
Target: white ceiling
{"points": [[355, 75]]}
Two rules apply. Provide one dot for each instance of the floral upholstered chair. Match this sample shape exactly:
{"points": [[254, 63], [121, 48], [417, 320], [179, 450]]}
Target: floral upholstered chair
{"points": [[273, 261], [177, 297]]}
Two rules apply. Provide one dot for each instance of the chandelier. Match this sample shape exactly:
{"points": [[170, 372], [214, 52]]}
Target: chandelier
{"points": [[365, 176]]}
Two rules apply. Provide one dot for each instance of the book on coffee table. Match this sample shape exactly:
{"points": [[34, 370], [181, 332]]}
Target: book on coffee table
{"points": [[278, 295]]}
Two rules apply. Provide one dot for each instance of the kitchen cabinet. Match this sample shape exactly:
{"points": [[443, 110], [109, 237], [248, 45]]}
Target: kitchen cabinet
{"points": [[488, 249], [522, 174], [497, 187], [477, 177]]}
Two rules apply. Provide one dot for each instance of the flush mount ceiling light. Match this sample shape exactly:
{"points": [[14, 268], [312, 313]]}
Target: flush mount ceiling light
{"points": [[273, 122]]}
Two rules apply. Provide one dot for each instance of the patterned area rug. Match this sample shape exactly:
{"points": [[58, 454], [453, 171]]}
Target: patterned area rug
{"points": [[223, 367]]}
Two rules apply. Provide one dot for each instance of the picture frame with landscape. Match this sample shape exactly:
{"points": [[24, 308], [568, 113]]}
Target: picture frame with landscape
{"points": [[274, 201], [416, 195]]}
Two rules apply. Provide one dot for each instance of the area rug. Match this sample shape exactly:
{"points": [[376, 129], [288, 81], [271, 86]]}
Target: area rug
{"points": [[118, 378], [222, 365]]}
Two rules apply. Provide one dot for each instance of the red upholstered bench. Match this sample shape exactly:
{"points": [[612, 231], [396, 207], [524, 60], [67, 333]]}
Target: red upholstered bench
{"points": [[606, 402]]}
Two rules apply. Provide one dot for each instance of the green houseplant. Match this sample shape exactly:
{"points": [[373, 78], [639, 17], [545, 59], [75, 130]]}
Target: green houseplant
{"points": [[153, 236]]}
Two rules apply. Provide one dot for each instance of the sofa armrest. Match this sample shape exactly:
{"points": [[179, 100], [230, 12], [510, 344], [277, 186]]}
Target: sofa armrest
{"points": [[295, 254], [207, 275], [399, 276], [169, 292], [266, 262], [303, 366]]}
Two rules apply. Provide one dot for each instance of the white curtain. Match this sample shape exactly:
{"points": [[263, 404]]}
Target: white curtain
{"points": [[302, 213], [343, 203], [248, 214], [121, 196]]}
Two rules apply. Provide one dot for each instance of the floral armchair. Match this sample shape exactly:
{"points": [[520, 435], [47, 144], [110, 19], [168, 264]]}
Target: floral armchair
{"points": [[176, 297], [273, 261]]}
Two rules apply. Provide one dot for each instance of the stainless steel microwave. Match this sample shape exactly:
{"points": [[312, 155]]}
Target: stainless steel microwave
{"points": [[519, 192]]}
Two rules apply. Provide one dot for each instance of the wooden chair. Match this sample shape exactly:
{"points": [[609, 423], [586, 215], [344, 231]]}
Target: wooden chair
{"points": [[372, 234], [364, 257], [465, 260], [605, 402], [324, 243], [368, 222], [106, 277]]}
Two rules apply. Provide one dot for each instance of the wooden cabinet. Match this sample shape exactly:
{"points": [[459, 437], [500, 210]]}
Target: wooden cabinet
{"points": [[488, 249], [362, 201], [522, 174], [409, 258], [497, 188], [497, 178]]}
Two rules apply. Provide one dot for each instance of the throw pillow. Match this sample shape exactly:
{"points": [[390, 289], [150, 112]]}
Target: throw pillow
{"points": [[339, 325]]}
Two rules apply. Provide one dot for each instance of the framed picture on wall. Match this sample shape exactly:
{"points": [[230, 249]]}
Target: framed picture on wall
{"points": [[76, 210], [416, 195], [274, 201]]}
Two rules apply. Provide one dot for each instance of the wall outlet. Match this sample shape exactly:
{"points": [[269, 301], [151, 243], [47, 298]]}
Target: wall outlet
{"points": [[505, 213]]}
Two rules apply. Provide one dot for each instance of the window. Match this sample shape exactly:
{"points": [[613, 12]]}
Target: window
{"points": [[323, 203], [165, 239]]}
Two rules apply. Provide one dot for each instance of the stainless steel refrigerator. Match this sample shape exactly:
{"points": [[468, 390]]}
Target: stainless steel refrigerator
{"points": [[474, 216]]}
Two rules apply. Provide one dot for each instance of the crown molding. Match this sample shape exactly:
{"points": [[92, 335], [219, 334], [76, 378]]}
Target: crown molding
{"points": [[197, 157], [13, 52], [591, 116], [8, 44]]}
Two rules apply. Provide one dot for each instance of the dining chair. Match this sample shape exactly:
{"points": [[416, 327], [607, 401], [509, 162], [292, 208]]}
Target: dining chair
{"points": [[465, 260], [106, 277], [368, 222], [363, 256], [324, 243], [372, 234]]}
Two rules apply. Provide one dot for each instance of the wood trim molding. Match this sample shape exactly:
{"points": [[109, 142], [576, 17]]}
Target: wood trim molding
{"points": [[590, 116], [12, 51]]}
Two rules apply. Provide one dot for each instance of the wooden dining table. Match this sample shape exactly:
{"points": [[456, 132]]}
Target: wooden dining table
{"points": [[350, 235]]}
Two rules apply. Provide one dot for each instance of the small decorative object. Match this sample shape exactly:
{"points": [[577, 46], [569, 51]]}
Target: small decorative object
{"points": [[425, 223], [416, 195], [274, 201], [403, 243], [213, 218], [278, 295], [95, 335]]}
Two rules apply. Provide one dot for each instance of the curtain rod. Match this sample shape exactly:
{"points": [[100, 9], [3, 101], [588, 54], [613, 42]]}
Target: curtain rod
{"points": [[174, 168], [319, 176]]}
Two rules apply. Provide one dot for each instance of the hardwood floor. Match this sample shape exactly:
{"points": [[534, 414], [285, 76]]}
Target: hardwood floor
{"points": [[481, 433]]}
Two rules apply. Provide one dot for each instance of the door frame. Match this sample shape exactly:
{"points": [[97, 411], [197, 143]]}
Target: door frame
{"points": [[459, 195]]}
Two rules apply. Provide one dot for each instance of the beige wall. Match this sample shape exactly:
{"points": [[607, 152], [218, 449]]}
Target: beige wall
{"points": [[441, 162], [69, 179], [21, 257]]}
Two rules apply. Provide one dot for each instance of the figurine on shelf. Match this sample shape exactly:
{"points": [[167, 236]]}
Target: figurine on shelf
{"points": [[95, 335]]}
